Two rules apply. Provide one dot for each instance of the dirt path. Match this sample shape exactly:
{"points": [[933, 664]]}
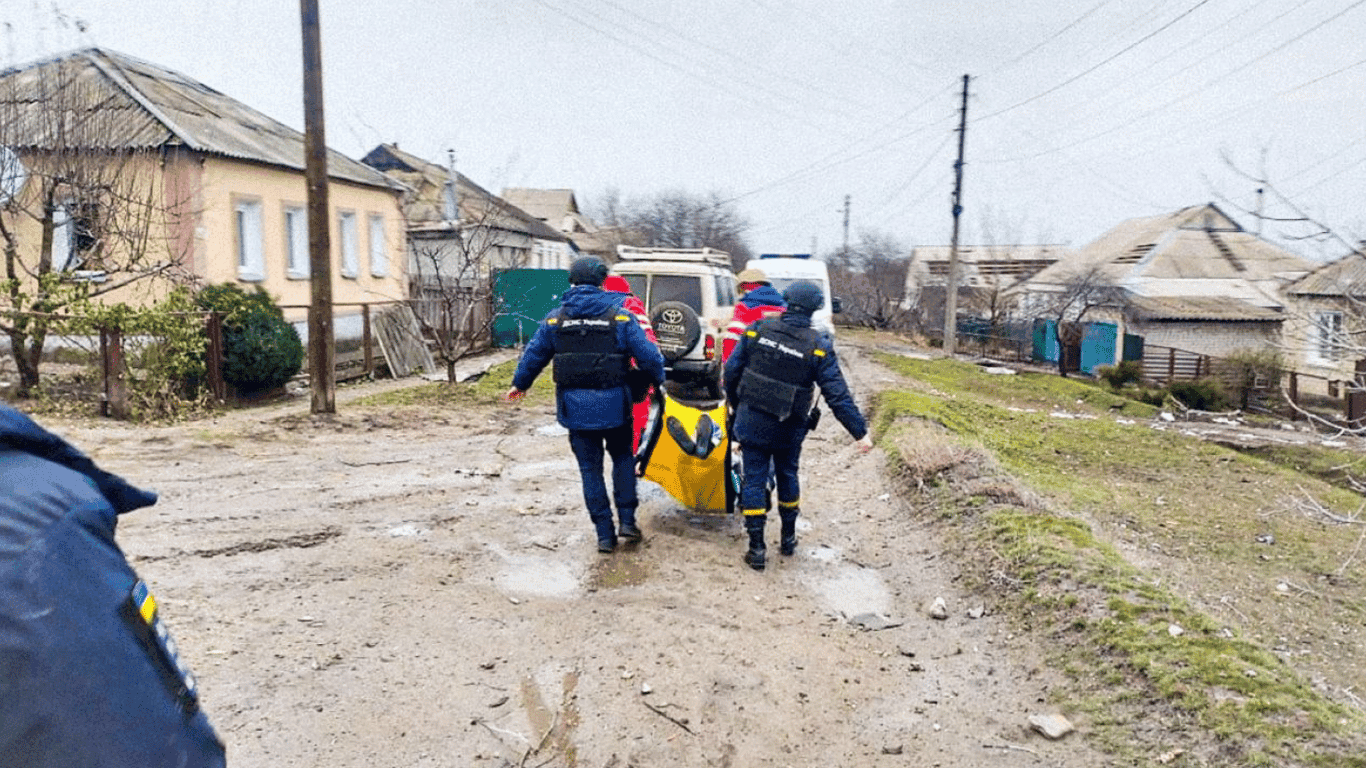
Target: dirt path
{"points": [[394, 588]]}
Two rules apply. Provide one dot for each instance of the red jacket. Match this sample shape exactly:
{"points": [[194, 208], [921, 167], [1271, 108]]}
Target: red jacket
{"points": [[742, 318]]}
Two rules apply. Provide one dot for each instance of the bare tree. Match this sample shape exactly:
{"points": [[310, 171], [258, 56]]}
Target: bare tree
{"points": [[1076, 296], [455, 267], [679, 219], [85, 211], [870, 279]]}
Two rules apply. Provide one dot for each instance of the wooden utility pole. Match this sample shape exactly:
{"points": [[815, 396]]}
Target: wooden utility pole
{"points": [[951, 287], [322, 373], [845, 250]]}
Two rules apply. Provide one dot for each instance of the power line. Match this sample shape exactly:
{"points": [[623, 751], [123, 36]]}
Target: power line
{"points": [[1096, 66]]}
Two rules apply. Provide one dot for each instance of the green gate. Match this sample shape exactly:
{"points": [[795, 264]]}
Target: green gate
{"points": [[521, 299]]}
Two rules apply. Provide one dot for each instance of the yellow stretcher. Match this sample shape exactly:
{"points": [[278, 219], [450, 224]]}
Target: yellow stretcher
{"points": [[686, 451]]}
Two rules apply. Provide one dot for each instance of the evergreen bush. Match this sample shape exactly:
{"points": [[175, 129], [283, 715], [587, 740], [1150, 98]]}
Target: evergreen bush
{"points": [[1201, 394], [261, 350]]}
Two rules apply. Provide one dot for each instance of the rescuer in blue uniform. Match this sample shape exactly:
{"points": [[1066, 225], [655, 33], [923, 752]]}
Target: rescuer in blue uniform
{"points": [[771, 382], [89, 676], [592, 341]]}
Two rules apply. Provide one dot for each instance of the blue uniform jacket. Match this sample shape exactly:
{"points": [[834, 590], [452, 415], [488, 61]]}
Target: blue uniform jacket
{"points": [[84, 681], [758, 429], [581, 409]]}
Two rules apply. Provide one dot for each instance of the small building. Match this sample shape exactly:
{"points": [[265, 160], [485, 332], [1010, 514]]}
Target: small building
{"points": [[985, 275]]}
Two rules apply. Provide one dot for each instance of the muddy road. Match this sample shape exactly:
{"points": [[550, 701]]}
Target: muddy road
{"points": [[398, 587]]}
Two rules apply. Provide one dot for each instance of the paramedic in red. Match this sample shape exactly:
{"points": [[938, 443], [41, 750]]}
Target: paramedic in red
{"points": [[771, 382], [760, 300], [616, 285], [592, 341]]}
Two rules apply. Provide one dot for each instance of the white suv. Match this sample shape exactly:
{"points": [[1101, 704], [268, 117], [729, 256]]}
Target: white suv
{"points": [[690, 295]]}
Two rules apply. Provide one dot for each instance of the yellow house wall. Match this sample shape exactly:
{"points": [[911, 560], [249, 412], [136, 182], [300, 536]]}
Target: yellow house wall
{"points": [[227, 182]]}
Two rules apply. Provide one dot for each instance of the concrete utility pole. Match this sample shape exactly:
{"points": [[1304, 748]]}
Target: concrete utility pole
{"points": [[322, 354], [951, 287]]}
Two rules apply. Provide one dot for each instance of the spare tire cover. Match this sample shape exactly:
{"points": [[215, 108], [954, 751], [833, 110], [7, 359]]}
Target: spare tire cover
{"points": [[677, 328]]}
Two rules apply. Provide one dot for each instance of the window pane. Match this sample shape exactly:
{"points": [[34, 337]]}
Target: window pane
{"points": [[379, 257], [684, 288], [350, 261]]}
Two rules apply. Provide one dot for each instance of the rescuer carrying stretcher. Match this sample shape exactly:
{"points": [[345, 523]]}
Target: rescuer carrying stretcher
{"points": [[771, 380]]}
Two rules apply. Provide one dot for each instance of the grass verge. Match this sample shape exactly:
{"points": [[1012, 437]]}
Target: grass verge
{"points": [[1142, 556]]}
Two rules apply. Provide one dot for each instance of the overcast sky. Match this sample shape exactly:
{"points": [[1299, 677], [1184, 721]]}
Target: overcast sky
{"points": [[1081, 113]]}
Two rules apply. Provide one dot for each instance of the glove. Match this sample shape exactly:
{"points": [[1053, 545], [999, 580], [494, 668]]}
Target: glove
{"points": [[513, 395], [865, 443]]}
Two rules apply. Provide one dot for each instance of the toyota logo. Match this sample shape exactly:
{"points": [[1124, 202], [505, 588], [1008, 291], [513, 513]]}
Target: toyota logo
{"points": [[671, 316]]}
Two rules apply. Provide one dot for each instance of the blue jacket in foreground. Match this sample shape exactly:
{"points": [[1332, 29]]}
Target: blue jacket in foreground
{"points": [[581, 409], [83, 681], [756, 428]]}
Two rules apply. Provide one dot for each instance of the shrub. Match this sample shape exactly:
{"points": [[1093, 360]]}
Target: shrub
{"points": [[1117, 376], [1155, 397], [261, 350], [1200, 394]]}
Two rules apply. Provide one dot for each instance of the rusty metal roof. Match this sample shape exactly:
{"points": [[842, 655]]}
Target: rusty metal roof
{"points": [[126, 103]]}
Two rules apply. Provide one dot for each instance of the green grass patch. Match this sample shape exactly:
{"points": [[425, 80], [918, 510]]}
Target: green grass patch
{"points": [[1150, 669]]}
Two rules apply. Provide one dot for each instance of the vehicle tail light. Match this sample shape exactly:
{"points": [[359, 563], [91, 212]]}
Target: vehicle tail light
{"points": [[709, 347]]}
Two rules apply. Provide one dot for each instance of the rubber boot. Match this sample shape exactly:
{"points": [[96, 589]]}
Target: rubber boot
{"points": [[756, 555], [787, 544]]}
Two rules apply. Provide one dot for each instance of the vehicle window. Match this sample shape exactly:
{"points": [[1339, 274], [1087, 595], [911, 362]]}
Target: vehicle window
{"points": [[684, 288], [638, 282], [725, 291], [781, 284]]}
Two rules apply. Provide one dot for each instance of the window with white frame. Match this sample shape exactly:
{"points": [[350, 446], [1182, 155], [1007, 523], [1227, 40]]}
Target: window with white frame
{"points": [[379, 253], [296, 242], [350, 237], [1328, 335], [251, 259]]}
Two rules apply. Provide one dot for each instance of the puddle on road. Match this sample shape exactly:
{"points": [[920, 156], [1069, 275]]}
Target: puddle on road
{"points": [[854, 591]]}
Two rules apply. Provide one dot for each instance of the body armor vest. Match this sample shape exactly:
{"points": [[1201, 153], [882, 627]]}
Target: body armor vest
{"points": [[780, 375], [586, 352]]}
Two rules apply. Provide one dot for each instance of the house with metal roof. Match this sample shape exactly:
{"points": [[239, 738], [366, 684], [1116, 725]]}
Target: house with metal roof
{"points": [[1193, 280], [1327, 319], [451, 218], [226, 183], [985, 274]]}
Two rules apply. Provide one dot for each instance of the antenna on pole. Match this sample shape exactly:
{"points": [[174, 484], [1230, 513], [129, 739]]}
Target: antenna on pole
{"points": [[951, 286]]}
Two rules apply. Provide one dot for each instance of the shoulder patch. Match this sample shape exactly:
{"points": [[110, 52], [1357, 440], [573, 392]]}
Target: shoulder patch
{"points": [[751, 333], [552, 321], [622, 317], [820, 352]]}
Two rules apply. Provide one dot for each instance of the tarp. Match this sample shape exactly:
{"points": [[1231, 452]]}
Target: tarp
{"points": [[685, 449]]}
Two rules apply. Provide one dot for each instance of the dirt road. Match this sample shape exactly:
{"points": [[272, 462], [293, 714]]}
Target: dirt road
{"points": [[407, 588]]}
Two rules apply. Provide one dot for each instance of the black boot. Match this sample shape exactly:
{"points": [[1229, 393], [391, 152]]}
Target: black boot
{"points": [[628, 530], [787, 545], [756, 555]]}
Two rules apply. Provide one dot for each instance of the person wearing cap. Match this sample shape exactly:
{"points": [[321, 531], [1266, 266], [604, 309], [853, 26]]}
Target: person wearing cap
{"points": [[771, 381], [759, 300], [89, 673], [593, 341]]}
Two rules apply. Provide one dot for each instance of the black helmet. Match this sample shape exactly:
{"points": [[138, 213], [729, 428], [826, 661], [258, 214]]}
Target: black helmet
{"points": [[803, 297], [589, 270]]}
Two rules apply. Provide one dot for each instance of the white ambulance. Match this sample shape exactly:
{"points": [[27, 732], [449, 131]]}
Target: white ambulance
{"points": [[784, 269]]}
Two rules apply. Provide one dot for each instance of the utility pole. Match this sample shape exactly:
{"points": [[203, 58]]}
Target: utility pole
{"points": [[845, 251], [322, 355], [951, 287]]}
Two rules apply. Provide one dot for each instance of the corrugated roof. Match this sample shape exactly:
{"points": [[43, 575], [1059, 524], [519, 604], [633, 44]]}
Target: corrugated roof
{"points": [[426, 212], [132, 104], [1344, 277], [1199, 308], [1197, 242]]}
